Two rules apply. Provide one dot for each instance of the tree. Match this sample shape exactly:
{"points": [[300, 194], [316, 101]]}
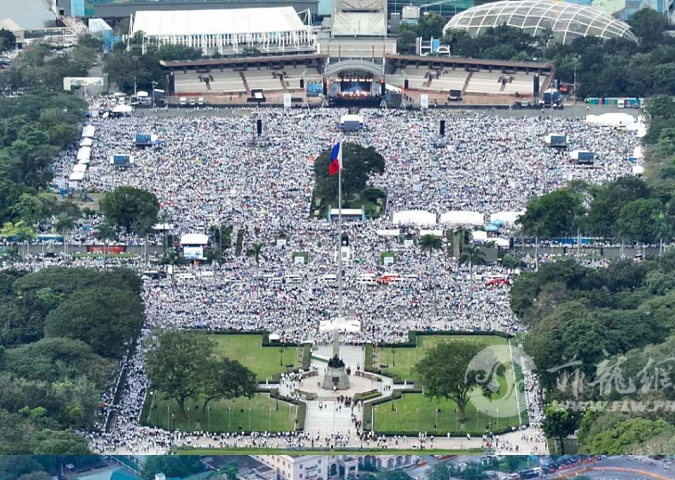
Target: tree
{"points": [[358, 163], [105, 233], [226, 379], [472, 255], [106, 319], [18, 232], [173, 260], [649, 26], [443, 373], [231, 471], [7, 40], [393, 475], [54, 442], [176, 362], [254, 251], [625, 436], [559, 423], [131, 208], [430, 25], [178, 466], [442, 471], [64, 225], [429, 243], [638, 220]]}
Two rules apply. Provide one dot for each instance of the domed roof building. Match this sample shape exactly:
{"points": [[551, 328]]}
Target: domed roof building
{"points": [[567, 21]]}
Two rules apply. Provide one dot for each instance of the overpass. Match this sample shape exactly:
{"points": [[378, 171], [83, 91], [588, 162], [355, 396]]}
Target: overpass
{"points": [[119, 8]]}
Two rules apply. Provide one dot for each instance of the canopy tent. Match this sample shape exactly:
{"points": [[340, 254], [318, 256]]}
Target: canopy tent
{"points": [[623, 120], [80, 167], [638, 152], [122, 109], [491, 228], [414, 217], [86, 142], [501, 242], [142, 94], [463, 218], [507, 218], [84, 153], [160, 227], [194, 239], [76, 176], [435, 233], [88, 131], [389, 233], [638, 170], [371, 24], [84, 161], [479, 236]]}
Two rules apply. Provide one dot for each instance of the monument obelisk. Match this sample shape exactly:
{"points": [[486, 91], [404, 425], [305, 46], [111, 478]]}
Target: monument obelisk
{"points": [[336, 374]]}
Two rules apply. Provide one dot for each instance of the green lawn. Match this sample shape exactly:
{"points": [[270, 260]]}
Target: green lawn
{"points": [[402, 361], [265, 362], [244, 415], [416, 413]]}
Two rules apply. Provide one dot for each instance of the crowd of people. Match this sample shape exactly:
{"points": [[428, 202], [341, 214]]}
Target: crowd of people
{"points": [[215, 171]]}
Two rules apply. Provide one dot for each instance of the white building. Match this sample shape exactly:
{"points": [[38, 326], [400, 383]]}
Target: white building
{"points": [[316, 467], [274, 29]]}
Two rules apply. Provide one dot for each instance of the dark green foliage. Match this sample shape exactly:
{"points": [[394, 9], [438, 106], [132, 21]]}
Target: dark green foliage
{"points": [[131, 208], [358, 164]]}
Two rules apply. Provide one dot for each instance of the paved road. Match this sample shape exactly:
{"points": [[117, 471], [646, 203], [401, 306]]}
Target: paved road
{"points": [[659, 469]]}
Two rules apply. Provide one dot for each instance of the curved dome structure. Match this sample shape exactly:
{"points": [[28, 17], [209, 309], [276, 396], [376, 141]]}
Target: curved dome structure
{"points": [[566, 20]]}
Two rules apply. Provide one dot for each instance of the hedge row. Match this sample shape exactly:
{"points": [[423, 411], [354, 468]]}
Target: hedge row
{"points": [[413, 334], [302, 408], [306, 357]]}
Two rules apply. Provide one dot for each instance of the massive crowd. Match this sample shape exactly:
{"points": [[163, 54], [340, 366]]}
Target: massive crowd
{"points": [[214, 171]]}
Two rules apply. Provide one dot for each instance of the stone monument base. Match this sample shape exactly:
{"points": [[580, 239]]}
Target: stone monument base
{"points": [[336, 379], [336, 375]]}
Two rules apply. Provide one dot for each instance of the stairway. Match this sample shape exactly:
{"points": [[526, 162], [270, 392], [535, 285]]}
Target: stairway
{"points": [[466, 82], [243, 79]]}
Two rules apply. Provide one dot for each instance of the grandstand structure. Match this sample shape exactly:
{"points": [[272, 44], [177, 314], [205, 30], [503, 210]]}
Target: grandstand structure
{"points": [[273, 30], [308, 78]]}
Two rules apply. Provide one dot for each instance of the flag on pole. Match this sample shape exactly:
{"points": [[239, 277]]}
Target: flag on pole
{"points": [[335, 160]]}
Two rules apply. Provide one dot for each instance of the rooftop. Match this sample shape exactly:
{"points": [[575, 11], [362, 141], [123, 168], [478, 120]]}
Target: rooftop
{"points": [[27, 14]]}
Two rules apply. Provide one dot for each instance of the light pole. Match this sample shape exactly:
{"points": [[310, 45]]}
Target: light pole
{"points": [[154, 84]]}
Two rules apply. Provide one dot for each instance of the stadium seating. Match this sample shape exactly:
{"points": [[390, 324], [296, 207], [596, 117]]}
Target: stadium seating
{"points": [[418, 77], [485, 82], [267, 80], [449, 80], [219, 82]]}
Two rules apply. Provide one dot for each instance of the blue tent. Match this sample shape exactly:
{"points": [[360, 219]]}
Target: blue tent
{"points": [[491, 228], [497, 222]]}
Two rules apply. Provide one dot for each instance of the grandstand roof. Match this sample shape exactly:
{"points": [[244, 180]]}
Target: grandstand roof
{"points": [[241, 60], [218, 22], [567, 21]]}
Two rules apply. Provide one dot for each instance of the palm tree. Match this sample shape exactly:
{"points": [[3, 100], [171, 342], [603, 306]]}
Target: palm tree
{"points": [[64, 225], [173, 259], [662, 229], [429, 243], [254, 251], [214, 257], [472, 255], [106, 232]]}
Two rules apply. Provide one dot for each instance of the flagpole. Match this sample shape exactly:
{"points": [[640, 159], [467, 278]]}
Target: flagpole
{"points": [[340, 235]]}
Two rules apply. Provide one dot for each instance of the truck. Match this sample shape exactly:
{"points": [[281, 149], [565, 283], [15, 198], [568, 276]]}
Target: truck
{"points": [[551, 98]]}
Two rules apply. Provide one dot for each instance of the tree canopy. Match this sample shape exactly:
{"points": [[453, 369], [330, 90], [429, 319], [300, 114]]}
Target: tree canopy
{"points": [[131, 208], [358, 164]]}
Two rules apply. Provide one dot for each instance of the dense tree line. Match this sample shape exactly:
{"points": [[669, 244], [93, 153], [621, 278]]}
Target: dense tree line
{"points": [[629, 209], [612, 327], [62, 333], [611, 68]]}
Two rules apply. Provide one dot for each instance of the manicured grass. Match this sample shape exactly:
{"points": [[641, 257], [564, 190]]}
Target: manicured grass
{"points": [[402, 361], [416, 413], [248, 350], [258, 414]]}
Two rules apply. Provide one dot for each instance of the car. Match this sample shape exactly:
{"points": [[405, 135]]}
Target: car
{"points": [[183, 101], [200, 101], [443, 50], [193, 101]]}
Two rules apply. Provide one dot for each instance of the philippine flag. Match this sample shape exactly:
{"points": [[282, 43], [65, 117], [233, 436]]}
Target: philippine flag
{"points": [[335, 160]]}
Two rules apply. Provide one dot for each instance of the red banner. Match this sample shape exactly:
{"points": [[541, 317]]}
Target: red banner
{"points": [[114, 249]]}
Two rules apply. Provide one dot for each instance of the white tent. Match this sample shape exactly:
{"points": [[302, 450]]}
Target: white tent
{"points": [[415, 217], [194, 239], [462, 218], [501, 242], [88, 131], [84, 161], [162, 226], [389, 233], [479, 235], [122, 109], [76, 176], [507, 218], [84, 153], [638, 170], [638, 152], [435, 233], [623, 120], [80, 167], [86, 142]]}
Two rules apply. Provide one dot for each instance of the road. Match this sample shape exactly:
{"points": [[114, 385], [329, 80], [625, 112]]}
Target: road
{"points": [[647, 469]]}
